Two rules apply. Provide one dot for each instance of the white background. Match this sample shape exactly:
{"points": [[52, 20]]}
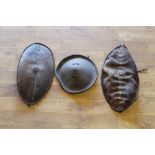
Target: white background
{"points": [[77, 142], [77, 13]]}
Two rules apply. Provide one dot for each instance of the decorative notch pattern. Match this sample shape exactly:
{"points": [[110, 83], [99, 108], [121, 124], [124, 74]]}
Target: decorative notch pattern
{"points": [[120, 81]]}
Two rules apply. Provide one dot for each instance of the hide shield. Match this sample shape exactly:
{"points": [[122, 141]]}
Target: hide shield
{"points": [[76, 73], [35, 72], [120, 81]]}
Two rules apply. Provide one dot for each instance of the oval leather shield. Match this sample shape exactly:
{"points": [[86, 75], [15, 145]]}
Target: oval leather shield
{"points": [[120, 81], [76, 73], [35, 72]]}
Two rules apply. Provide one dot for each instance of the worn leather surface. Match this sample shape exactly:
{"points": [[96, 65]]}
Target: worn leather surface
{"points": [[35, 72], [120, 81], [76, 73]]}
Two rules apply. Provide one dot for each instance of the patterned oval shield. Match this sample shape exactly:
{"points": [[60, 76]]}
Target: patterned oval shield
{"points": [[35, 72], [120, 81]]}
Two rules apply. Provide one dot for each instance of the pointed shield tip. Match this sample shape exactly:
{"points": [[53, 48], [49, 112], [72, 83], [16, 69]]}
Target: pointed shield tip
{"points": [[123, 45]]}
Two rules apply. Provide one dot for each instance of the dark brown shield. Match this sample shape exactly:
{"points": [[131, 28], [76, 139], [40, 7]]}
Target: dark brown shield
{"points": [[120, 81], [35, 72], [76, 73]]}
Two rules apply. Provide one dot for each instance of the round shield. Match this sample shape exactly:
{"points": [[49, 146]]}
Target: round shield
{"points": [[76, 73]]}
